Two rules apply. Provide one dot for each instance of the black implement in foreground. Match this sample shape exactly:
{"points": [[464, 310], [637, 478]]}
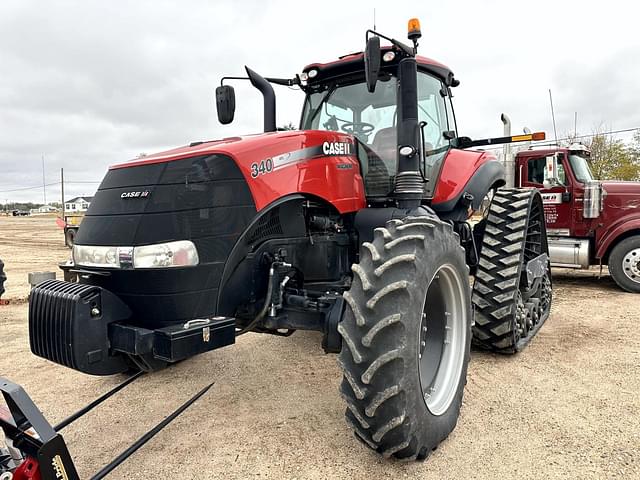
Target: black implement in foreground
{"points": [[35, 450]]}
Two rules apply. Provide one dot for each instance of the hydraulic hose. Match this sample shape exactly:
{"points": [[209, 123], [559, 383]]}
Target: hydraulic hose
{"points": [[267, 300]]}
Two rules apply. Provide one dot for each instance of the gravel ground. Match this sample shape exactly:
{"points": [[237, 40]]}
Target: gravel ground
{"points": [[566, 407]]}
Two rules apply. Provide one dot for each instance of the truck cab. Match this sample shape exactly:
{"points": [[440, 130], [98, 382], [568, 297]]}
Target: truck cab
{"points": [[589, 222]]}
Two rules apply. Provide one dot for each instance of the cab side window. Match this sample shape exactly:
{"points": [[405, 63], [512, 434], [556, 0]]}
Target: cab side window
{"points": [[535, 170], [432, 111]]}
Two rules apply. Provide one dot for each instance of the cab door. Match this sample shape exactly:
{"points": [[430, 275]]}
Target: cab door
{"points": [[557, 199]]}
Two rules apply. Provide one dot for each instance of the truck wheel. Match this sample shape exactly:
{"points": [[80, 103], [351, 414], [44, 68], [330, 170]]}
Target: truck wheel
{"points": [[3, 277], [624, 264], [69, 237], [406, 337], [509, 311]]}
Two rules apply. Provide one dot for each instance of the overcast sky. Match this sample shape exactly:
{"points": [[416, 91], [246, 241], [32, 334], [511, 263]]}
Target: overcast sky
{"points": [[91, 83]]}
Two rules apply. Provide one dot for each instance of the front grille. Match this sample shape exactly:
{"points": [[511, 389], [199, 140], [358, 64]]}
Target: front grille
{"points": [[52, 306], [204, 198]]}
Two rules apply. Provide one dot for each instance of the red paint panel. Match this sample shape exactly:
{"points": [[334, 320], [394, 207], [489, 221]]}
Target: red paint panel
{"points": [[336, 178], [457, 168]]}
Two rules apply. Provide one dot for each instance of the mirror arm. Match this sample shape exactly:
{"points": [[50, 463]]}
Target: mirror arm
{"points": [[405, 48], [232, 78], [287, 82]]}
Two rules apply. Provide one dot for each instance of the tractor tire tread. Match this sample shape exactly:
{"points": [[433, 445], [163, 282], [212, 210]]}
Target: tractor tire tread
{"points": [[375, 385]]}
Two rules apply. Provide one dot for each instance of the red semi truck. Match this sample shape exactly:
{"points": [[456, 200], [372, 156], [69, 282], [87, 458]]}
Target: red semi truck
{"points": [[589, 222]]}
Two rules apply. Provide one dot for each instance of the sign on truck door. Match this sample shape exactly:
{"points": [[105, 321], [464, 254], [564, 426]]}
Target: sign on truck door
{"points": [[557, 198]]}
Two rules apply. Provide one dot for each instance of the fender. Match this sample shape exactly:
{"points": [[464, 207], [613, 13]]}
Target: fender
{"points": [[489, 172], [624, 225], [236, 282], [281, 226]]}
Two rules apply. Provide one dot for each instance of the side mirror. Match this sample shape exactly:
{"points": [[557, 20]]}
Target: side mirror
{"points": [[551, 171], [372, 62], [225, 103]]}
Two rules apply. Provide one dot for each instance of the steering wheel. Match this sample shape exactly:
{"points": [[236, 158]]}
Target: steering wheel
{"points": [[357, 128]]}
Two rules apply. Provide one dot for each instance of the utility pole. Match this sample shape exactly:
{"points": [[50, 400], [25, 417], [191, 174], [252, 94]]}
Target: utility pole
{"points": [[44, 188], [62, 186]]}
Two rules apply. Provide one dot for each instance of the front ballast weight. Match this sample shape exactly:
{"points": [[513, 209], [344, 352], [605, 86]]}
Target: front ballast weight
{"points": [[512, 289], [89, 329]]}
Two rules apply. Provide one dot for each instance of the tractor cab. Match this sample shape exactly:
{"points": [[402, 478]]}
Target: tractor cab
{"points": [[338, 99]]}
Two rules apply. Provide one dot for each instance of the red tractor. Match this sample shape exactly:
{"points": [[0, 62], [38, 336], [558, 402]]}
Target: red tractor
{"points": [[356, 226]]}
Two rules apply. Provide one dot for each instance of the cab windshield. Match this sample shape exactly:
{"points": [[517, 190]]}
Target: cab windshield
{"points": [[580, 168], [372, 119]]}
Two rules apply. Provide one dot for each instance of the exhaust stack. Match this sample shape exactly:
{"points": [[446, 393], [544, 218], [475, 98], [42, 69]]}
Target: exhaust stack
{"points": [[269, 96]]}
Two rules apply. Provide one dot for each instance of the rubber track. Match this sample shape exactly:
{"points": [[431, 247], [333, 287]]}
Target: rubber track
{"points": [[498, 275]]}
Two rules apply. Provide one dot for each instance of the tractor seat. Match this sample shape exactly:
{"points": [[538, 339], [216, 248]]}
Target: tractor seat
{"points": [[385, 144]]}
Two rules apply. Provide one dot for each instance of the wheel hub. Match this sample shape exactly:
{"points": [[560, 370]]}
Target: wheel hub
{"points": [[443, 337], [631, 265]]}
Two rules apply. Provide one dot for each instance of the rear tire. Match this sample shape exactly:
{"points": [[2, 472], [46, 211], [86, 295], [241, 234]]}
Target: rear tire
{"points": [[508, 312], [624, 264], [406, 338]]}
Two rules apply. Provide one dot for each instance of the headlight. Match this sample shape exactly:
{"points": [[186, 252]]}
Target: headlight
{"points": [[92, 256], [175, 254], [182, 253]]}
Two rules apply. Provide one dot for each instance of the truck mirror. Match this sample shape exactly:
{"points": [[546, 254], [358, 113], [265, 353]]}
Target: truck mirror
{"points": [[372, 62], [225, 103], [551, 172]]}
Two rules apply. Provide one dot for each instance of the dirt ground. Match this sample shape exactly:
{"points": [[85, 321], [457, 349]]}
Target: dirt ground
{"points": [[567, 407]]}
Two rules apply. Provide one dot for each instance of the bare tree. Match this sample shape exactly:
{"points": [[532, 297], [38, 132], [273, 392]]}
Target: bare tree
{"points": [[611, 158]]}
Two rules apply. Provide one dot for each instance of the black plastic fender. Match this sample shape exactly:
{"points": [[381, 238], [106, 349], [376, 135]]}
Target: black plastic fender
{"points": [[489, 175]]}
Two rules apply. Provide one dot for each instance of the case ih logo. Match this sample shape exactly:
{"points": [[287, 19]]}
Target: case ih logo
{"points": [[336, 148], [142, 194]]}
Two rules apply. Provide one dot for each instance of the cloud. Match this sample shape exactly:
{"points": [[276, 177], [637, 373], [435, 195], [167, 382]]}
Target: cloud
{"points": [[90, 83]]}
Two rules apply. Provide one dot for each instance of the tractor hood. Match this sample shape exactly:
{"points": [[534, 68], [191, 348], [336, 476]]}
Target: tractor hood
{"points": [[268, 144], [316, 162]]}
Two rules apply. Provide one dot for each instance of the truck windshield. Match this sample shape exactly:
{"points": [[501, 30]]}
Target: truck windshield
{"points": [[372, 119], [580, 168]]}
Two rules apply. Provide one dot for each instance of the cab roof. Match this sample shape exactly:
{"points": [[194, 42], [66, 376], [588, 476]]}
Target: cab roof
{"points": [[354, 62]]}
